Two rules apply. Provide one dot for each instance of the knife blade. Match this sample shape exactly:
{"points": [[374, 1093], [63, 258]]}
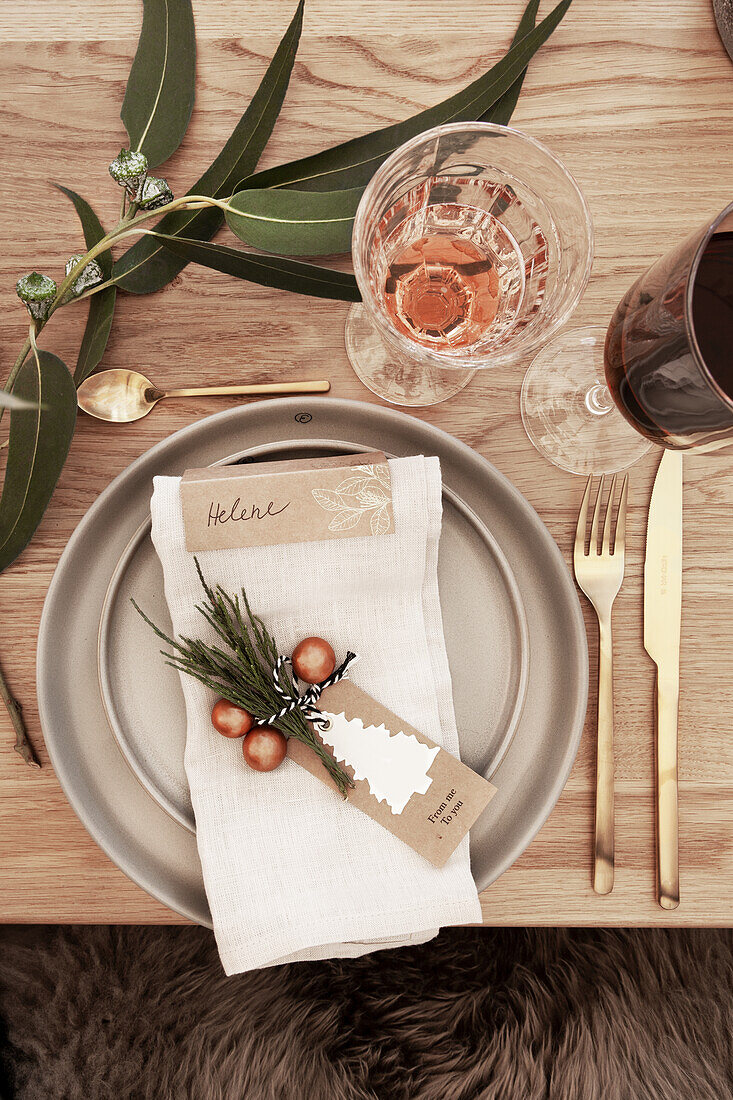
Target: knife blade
{"points": [[662, 629]]}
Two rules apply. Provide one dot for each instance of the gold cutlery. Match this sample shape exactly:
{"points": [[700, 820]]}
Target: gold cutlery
{"points": [[122, 396], [599, 574], [662, 627]]}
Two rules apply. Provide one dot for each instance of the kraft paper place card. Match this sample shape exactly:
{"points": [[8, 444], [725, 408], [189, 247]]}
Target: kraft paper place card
{"points": [[413, 788], [267, 503]]}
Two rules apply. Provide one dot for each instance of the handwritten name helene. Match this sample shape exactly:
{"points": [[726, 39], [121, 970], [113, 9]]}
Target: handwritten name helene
{"points": [[239, 512]]}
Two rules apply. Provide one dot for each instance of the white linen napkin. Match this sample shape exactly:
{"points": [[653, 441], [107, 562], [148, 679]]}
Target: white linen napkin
{"points": [[290, 870]]}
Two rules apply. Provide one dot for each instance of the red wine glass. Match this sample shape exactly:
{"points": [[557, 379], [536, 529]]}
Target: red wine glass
{"points": [[662, 373]]}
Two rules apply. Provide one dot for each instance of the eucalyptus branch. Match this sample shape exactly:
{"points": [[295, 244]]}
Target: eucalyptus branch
{"points": [[186, 202], [16, 367], [126, 227], [32, 339], [22, 745], [13, 375], [118, 233], [93, 290], [156, 112]]}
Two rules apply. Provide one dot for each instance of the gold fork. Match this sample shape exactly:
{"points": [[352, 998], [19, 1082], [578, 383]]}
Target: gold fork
{"points": [[599, 575]]}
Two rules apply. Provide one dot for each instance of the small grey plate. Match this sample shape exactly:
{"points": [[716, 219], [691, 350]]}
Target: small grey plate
{"points": [[489, 690], [488, 523]]}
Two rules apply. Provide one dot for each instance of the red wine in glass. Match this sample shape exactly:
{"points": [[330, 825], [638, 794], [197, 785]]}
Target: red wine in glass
{"points": [[669, 348]]}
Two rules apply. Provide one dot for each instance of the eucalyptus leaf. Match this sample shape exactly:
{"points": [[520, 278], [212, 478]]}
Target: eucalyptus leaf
{"points": [[96, 333], [353, 163], [290, 222], [37, 449], [295, 223], [502, 111], [162, 82], [292, 275], [101, 304], [90, 225], [147, 266]]}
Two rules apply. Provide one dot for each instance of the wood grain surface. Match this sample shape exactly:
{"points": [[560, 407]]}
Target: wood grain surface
{"points": [[636, 98]]}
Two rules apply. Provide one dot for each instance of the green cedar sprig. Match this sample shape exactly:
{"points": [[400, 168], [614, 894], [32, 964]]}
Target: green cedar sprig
{"points": [[240, 668]]}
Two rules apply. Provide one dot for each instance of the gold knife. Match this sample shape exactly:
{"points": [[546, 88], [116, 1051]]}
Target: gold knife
{"points": [[662, 625]]}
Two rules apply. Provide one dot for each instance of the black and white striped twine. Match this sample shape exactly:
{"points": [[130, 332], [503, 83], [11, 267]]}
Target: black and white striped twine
{"points": [[306, 700]]}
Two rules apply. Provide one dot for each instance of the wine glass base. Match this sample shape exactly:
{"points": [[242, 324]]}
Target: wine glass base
{"points": [[568, 413], [394, 379]]}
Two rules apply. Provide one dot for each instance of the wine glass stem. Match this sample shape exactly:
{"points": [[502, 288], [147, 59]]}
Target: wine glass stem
{"points": [[598, 399]]}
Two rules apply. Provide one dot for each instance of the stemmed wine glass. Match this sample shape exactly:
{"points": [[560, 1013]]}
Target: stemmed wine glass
{"points": [[596, 400], [472, 246]]}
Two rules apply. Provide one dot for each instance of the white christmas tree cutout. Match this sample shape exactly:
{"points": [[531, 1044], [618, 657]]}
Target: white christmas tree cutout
{"points": [[394, 765]]}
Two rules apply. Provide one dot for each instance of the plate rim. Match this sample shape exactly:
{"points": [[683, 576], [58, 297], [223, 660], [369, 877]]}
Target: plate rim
{"points": [[389, 417]]}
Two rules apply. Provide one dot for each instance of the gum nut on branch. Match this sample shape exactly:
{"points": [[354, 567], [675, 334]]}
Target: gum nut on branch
{"points": [[37, 292], [155, 192], [129, 169], [88, 276]]}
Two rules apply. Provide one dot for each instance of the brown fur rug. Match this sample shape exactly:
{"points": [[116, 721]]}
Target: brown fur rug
{"points": [[479, 1014]]}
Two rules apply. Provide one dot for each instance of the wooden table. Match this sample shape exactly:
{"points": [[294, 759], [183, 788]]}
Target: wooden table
{"points": [[636, 98]]}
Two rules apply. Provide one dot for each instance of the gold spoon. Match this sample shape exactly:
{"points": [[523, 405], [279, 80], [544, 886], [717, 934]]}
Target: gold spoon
{"points": [[124, 395]]}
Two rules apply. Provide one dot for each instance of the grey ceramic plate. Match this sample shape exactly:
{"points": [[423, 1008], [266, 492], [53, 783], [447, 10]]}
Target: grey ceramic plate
{"points": [[489, 689], [134, 802]]}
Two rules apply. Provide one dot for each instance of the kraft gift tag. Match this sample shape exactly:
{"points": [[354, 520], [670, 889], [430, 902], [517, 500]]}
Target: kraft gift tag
{"points": [[404, 781]]}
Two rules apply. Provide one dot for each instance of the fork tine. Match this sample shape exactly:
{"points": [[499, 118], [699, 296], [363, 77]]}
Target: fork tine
{"points": [[606, 547], [619, 544], [593, 549], [582, 520]]}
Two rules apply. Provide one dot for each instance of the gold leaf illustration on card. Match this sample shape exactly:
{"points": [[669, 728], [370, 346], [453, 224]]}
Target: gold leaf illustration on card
{"points": [[380, 521], [366, 491], [345, 520], [351, 486], [328, 500]]}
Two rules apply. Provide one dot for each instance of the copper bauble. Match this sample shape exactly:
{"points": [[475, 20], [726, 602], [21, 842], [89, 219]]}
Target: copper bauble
{"points": [[313, 660], [230, 720], [264, 748]]}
